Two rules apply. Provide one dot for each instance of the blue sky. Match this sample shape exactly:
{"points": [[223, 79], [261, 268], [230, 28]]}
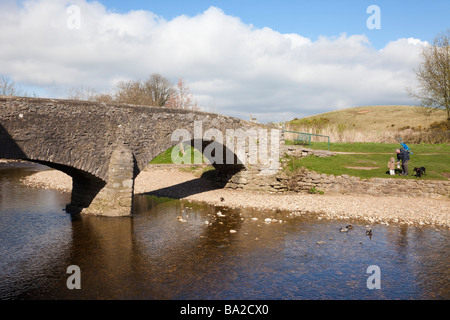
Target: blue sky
{"points": [[399, 18], [275, 60]]}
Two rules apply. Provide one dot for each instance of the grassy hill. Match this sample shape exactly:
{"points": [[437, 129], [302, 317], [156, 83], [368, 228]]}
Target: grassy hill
{"points": [[380, 124], [367, 138], [381, 117]]}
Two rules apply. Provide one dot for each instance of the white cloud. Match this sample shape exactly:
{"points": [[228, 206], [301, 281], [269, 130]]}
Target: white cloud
{"points": [[239, 69]]}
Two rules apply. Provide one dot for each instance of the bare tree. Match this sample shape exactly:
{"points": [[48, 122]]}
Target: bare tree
{"points": [[183, 99], [155, 91], [130, 92], [433, 74], [159, 89], [82, 93], [104, 97], [9, 88]]}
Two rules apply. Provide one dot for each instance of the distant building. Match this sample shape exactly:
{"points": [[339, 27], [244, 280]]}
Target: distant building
{"points": [[253, 119]]}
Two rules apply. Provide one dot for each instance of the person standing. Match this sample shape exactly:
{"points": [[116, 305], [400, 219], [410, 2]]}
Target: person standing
{"points": [[403, 156], [391, 166]]}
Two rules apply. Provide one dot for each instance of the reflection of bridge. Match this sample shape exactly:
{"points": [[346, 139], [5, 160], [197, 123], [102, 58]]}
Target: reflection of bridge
{"points": [[102, 147]]}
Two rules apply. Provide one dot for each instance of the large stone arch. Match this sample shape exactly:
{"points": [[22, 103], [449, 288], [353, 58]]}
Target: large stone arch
{"points": [[102, 147]]}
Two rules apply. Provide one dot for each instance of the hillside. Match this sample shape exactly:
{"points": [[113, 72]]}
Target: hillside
{"points": [[380, 118]]}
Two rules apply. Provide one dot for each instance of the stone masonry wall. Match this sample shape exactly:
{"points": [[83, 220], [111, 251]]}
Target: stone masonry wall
{"points": [[345, 184], [252, 179]]}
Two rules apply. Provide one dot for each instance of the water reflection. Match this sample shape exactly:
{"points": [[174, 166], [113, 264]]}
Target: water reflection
{"points": [[33, 243], [234, 255]]}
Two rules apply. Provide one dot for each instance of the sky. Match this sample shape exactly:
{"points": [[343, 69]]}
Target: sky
{"points": [[274, 60]]}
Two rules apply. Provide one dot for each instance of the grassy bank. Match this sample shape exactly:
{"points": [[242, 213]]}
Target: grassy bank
{"points": [[370, 147], [364, 160], [369, 160]]}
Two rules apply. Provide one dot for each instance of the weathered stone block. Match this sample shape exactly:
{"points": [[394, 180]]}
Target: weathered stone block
{"points": [[116, 198]]}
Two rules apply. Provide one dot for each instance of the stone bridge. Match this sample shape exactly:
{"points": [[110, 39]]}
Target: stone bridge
{"points": [[104, 147]]}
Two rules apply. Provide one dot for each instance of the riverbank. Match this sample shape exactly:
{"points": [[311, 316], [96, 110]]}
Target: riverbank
{"points": [[171, 182]]}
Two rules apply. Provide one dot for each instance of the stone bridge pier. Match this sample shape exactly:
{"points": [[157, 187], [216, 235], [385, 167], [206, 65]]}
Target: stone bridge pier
{"points": [[112, 198], [104, 147]]}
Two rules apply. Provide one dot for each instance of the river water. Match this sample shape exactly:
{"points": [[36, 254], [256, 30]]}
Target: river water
{"points": [[154, 256]]}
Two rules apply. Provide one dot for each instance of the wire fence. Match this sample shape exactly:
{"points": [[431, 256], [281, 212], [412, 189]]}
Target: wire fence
{"points": [[303, 138]]}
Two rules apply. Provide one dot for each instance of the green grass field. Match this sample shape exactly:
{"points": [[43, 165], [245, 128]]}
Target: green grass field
{"points": [[369, 147], [166, 156], [355, 159], [369, 160]]}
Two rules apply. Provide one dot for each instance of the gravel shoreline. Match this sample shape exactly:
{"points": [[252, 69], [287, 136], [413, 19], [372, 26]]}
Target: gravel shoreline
{"points": [[171, 182]]}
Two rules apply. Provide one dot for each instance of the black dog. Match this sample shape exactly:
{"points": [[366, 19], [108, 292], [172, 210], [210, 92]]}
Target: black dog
{"points": [[420, 171]]}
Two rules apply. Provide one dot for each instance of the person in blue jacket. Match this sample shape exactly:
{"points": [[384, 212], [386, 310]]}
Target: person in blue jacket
{"points": [[403, 156]]}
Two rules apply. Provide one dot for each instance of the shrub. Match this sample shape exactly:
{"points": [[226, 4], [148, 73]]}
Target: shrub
{"points": [[315, 124], [440, 126]]}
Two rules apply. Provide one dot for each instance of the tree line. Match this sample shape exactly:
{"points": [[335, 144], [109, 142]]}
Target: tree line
{"points": [[156, 90], [8, 87]]}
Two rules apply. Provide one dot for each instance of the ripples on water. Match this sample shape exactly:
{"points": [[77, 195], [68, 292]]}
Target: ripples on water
{"points": [[154, 256]]}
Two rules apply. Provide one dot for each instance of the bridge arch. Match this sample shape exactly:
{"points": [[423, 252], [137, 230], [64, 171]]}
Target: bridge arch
{"points": [[104, 147]]}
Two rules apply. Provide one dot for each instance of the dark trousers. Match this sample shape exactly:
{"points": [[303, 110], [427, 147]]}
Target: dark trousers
{"points": [[405, 167]]}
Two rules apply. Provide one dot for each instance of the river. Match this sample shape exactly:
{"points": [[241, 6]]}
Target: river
{"points": [[234, 255]]}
